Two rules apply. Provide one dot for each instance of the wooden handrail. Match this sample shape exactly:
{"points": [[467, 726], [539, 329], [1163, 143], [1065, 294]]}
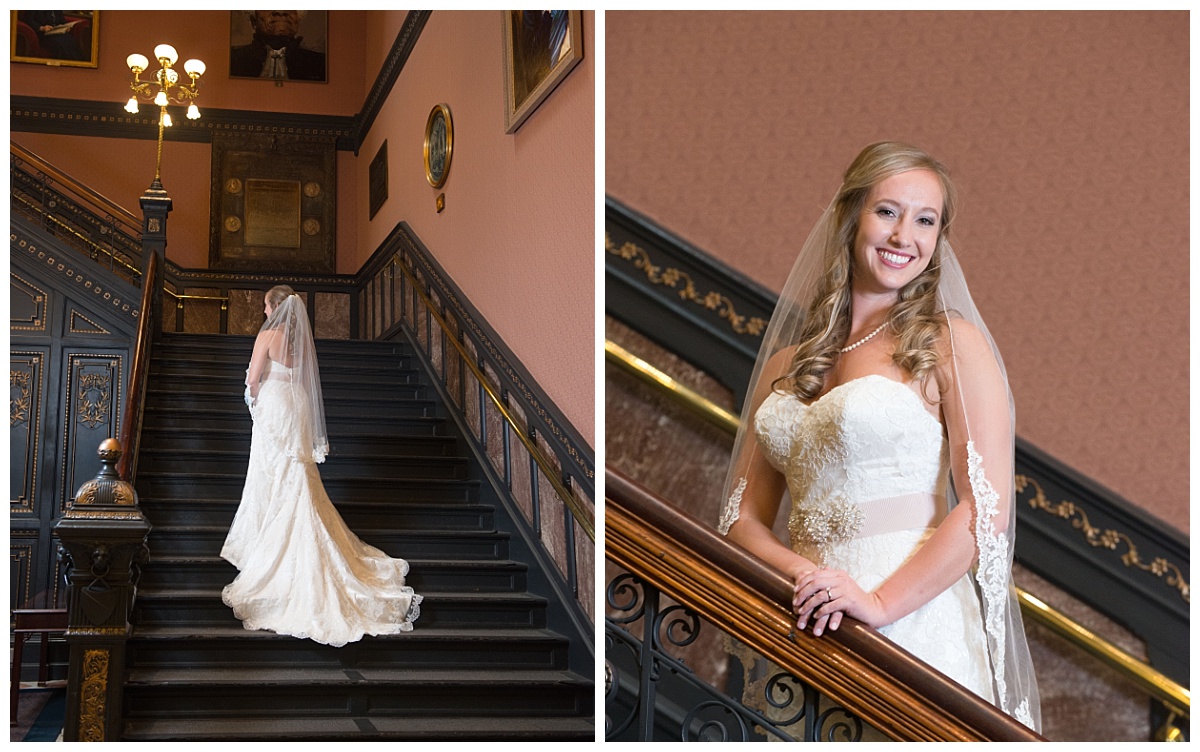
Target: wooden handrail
{"points": [[857, 667], [139, 374], [1175, 696], [108, 205]]}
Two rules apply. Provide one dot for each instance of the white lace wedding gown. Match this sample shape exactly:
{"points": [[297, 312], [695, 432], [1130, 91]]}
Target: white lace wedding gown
{"points": [[867, 467], [302, 571]]}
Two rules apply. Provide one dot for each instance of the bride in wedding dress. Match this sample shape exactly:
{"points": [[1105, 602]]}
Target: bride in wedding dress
{"points": [[880, 404], [302, 572]]}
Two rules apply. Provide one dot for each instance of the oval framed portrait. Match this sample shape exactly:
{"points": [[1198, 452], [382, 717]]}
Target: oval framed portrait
{"points": [[439, 145]]}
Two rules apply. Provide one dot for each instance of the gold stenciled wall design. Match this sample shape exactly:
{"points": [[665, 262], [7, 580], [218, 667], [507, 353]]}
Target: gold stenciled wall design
{"points": [[70, 330]]}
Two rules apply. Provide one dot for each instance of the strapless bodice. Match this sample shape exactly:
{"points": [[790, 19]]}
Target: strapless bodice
{"points": [[866, 457]]}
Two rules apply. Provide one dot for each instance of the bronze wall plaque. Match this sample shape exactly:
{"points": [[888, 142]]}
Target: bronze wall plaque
{"points": [[273, 213], [274, 204]]}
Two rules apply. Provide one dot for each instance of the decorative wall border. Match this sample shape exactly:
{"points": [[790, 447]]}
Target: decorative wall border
{"points": [[85, 117], [389, 73], [1148, 598], [670, 277], [1109, 539], [124, 298], [721, 327], [516, 378]]}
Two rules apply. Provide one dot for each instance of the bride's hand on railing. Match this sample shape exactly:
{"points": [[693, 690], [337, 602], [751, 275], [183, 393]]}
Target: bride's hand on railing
{"points": [[824, 595]]}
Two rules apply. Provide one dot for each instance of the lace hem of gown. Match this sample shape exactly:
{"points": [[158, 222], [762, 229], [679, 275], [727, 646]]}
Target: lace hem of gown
{"points": [[302, 571]]}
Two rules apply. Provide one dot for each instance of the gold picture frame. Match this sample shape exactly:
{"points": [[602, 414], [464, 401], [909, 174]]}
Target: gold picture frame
{"points": [[60, 38], [540, 49], [439, 144]]}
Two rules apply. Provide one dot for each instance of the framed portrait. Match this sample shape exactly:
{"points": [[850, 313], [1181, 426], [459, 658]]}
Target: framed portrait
{"points": [[279, 45], [56, 37], [540, 49]]}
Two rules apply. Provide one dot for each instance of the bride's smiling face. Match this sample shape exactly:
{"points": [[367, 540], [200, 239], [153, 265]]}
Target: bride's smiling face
{"points": [[897, 231], [267, 307]]}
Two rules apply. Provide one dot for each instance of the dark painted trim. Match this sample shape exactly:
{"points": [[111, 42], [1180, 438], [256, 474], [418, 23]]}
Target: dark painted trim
{"points": [[683, 299], [389, 73], [84, 117], [108, 119], [1054, 545], [578, 459]]}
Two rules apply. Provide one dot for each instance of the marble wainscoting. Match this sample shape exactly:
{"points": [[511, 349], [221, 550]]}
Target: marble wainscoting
{"points": [[245, 311], [331, 314], [683, 458], [1083, 699], [244, 315], [674, 453]]}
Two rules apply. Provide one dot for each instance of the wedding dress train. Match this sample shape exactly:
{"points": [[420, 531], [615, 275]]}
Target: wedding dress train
{"points": [[302, 572]]}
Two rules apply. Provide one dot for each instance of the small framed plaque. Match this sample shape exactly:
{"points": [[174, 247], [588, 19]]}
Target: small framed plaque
{"points": [[378, 180]]}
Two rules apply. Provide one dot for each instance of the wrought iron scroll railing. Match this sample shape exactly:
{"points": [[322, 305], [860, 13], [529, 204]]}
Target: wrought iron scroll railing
{"points": [[1174, 696], [73, 212], [544, 472], [857, 672]]}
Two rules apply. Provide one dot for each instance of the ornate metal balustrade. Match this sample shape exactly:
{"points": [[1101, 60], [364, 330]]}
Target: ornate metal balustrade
{"points": [[894, 695], [643, 630], [75, 214]]}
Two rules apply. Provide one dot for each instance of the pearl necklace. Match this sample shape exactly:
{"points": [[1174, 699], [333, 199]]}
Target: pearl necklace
{"points": [[848, 348]]}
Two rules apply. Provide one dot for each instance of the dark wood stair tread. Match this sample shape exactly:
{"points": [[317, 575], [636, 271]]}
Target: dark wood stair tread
{"points": [[463, 728]]}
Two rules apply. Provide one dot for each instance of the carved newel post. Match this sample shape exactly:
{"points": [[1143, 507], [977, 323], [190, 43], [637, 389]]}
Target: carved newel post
{"points": [[156, 205], [103, 539]]}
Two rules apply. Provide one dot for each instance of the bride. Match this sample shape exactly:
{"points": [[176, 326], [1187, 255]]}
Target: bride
{"points": [[302, 572], [880, 404]]}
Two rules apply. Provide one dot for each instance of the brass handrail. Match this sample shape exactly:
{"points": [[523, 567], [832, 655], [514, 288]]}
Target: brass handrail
{"points": [[1172, 694], [886, 686], [223, 298], [99, 200], [64, 227], [583, 516]]}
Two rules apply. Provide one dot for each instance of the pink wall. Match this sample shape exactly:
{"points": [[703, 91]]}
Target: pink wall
{"points": [[1068, 136], [203, 34], [186, 167], [518, 231]]}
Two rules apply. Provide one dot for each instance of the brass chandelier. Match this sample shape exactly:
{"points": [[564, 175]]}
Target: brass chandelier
{"points": [[166, 88]]}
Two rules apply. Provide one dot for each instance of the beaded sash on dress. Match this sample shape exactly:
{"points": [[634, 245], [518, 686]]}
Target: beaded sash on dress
{"points": [[864, 459]]}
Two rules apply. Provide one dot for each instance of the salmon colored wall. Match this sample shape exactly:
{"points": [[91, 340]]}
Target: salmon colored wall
{"points": [[1068, 136], [518, 231], [187, 167], [203, 34], [186, 171]]}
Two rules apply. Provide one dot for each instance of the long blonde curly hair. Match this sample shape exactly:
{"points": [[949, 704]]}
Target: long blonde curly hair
{"points": [[915, 320]]}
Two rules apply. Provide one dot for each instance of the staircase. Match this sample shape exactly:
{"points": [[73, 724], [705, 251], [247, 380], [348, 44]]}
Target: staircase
{"points": [[480, 662]]}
